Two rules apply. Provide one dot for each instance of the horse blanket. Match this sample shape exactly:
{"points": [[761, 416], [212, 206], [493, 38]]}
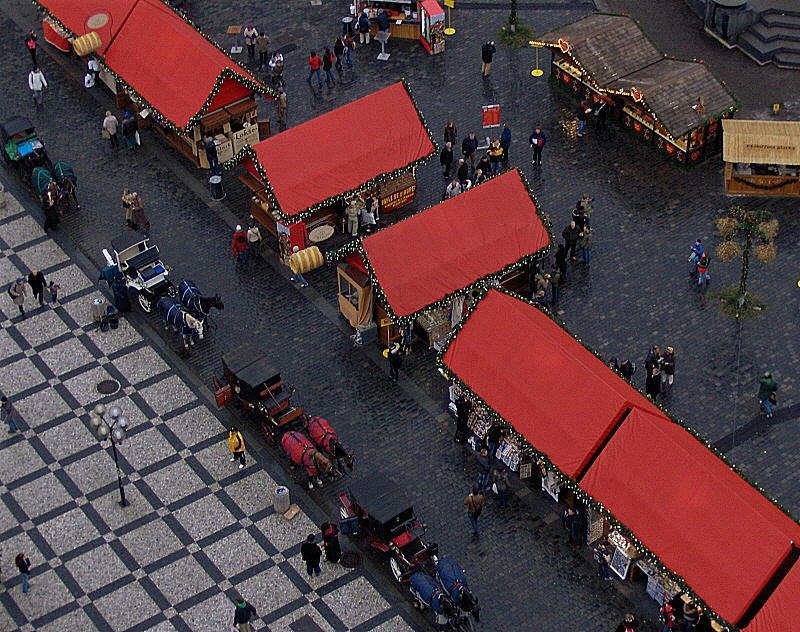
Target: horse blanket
{"points": [[174, 314], [322, 434], [301, 451], [40, 179], [190, 296], [452, 577], [63, 170], [428, 591]]}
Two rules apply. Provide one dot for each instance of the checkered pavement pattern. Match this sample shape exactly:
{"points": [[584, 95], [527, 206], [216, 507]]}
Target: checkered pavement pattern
{"points": [[198, 532]]}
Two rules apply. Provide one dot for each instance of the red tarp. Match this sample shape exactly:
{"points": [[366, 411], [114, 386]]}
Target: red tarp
{"points": [[341, 150], [560, 397], [158, 54], [690, 509], [782, 610], [453, 244]]}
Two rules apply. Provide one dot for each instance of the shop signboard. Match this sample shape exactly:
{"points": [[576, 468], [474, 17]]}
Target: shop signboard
{"points": [[491, 115], [620, 563], [243, 137], [399, 198], [551, 485]]}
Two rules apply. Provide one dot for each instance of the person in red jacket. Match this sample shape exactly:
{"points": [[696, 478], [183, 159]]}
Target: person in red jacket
{"points": [[314, 64], [239, 244]]}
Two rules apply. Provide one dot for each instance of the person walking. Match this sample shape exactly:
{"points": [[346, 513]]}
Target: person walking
{"points": [[37, 83], [314, 66], [602, 555], [667, 616], [668, 366], [30, 44], [338, 50], [253, 239], [140, 219], [8, 414], [211, 154], [703, 277], [262, 46], [297, 277], [349, 46], [537, 141], [281, 106], [487, 53], [330, 542], [243, 614], [474, 504], [450, 133], [468, 148], [53, 288], [239, 244], [495, 156], [695, 252], [24, 568], [250, 34], [505, 142], [311, 554], [110, 128], [628, 624], [236, 446], [363, 27], [327, 63], [37, 282], [130, 130], [571, 235], [17, 292], [500, 484], [767, 390], [583, 116], [446, 159], [484, 467], [395, 361]]}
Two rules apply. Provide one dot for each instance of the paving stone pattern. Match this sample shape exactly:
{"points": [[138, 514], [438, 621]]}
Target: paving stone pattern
{"points": [[197, 531]]}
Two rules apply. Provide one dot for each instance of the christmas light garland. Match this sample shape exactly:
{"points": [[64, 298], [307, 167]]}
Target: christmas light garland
{"points": [[481, 284], [567, 481], [275, 208]]}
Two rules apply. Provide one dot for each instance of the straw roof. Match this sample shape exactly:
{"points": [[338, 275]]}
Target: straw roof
{"points": [[761, 142]]}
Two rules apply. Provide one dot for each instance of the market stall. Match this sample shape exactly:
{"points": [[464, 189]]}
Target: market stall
{"points": [[675, 105], [408, 19], [160, 66], [762, 157], [305, 174], [779, 613]]}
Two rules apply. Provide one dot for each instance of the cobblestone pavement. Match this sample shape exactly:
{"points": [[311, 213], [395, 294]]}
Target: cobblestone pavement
{"points": [[197, 531], [637, 293]]}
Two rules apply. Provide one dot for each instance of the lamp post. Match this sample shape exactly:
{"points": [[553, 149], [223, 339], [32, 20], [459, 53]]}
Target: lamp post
{"points": [[115, 432]]}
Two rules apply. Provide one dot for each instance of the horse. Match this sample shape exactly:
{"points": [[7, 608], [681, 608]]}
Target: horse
{"points": [[176, 316], [301, 451], [67, 182], [326, 439], [451, 577], [198, 305], [428, 593]]}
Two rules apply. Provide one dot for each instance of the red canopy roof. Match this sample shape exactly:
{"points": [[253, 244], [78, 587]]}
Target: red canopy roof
{"points": [[690, 509], [782, 610], [342, 150], [556, 393], [158, 55], [450, 246]]}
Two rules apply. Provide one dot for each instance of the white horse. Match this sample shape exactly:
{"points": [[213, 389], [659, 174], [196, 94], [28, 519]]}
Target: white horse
{"points": [[179, 319]]}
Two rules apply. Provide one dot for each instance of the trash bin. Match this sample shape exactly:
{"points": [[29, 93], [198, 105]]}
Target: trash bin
{"points": [[281, 502], [215, 183]]}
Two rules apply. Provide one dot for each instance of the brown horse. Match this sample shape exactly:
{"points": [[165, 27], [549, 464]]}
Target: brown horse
{"points": [[302, 452]]}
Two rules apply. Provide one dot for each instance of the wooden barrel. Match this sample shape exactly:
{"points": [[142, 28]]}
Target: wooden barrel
{"points": [[86, 44], [306, 260]]}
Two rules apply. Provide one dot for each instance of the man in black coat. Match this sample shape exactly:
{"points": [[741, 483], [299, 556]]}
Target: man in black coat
{"points": [[311, 554], [468, 147], [446, 159], [463, 171], [487, 53], [242, 615], [571, 235], [37, 283]]}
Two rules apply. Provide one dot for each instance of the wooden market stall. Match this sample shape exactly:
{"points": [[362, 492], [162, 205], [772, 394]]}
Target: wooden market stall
{"points": [[762, 157], [421, 20], [675, 105], [423, 268], [301, 178], [161, 66]]}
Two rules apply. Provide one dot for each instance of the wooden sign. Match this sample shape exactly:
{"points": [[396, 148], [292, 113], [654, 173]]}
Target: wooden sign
{"points": [[398, 198], [245, 136], [491, 115]]}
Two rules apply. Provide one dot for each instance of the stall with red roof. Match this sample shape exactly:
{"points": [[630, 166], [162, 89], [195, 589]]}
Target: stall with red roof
{"points": [[163, 68]]}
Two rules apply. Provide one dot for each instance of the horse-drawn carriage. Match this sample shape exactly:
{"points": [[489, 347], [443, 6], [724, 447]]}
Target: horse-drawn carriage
{"points": [[22, 147], [57, 188], [139, 263]]}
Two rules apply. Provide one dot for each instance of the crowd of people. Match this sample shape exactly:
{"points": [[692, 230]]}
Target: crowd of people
{"points": [[471, 168]]}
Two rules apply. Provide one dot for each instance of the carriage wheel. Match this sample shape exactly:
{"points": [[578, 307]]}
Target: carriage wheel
{"points": [[397, 571], [144, 302]]}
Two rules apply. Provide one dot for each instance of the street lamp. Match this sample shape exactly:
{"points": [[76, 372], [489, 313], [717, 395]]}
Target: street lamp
{"points": [[115, 431]]}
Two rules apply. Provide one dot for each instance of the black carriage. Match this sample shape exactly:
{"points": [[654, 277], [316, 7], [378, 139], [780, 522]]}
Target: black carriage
{"points": [[376, 509], [138, 262], [252, 381], [22, 147]]}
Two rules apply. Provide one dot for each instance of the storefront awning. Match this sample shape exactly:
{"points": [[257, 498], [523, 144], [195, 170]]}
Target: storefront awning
{"points": [[782, 610], [335, 154], [159, 56], [450, 246], [761, 142], [553, 391]]}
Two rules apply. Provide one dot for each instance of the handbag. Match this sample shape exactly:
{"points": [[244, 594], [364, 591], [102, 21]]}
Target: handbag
{"points": [[105, 134], [138, 138], [494, 488]]}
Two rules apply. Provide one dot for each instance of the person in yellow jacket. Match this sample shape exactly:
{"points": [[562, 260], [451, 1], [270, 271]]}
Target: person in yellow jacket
{"points": [[495, 156], [236, 445]]}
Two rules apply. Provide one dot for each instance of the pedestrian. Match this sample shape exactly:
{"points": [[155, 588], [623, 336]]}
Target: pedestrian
{"points": [[571, 521], [242, 615], [463, 409], [49, 201], [311, 554], [495, 156], [37, 282], [485, 165], [560, 259], [395, 361], [24, 567], [351, 212], [570, 235], [468, 148], [474, 504], [250, 34], [262, 46], [556, 278], [463, 171], [53, 289], [579, 216], [453, 189], [585, 244], [383, 21], [695, 252], [338, 51], [212, 156], [363, 27], [446, 159], [253, 239], [487, 53], [349, 46], [691, 615], [627, 368], [652, 384], [500, 484], [628, 624], [330, 542], [93, 68], [126, 204], [276, 64], [140, 219], [505, 142], [602, 555], [600, 116], [17, 292], [314, 65], [30, 44], [130, 130], [585, 204], [297, 277], [37, 83], [537, 142], [480, 177], [367, 218], [372, 204], [110, 128], [236, 446], [767, 394], [8, 414], [280, 106], [668, 366], [583, 115], [484, 467], [239, 244], [327, 64], [450, 133], [653, 359], [494, 436], [703, 277], [667, 616]]}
